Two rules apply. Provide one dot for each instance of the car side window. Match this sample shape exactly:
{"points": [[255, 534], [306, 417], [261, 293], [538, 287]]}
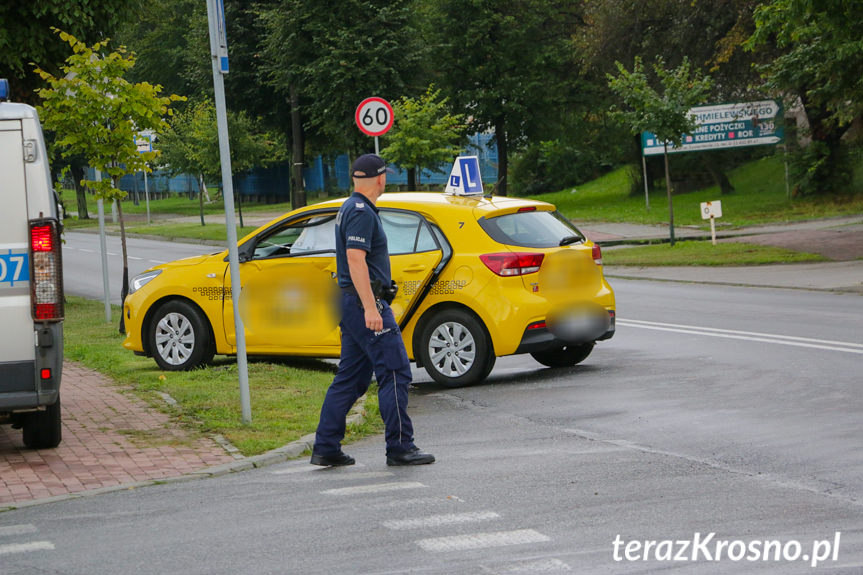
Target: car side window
{"points": [[312, 236], [407, 233]]}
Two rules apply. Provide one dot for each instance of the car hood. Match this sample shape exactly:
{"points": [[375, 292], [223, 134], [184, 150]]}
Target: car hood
{"points": [[190, 261]]}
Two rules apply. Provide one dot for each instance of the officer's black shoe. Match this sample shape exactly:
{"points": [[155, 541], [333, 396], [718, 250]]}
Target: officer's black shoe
{"points": [[411, 457], [334, 460]]}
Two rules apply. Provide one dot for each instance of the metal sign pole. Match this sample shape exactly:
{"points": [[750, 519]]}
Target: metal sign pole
{"points": [[103, 248], [147, 196], [377, 147], [218, 51]]}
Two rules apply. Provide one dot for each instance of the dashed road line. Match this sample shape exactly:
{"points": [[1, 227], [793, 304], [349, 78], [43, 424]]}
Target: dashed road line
{"points": [[481, 540], [438, 520], [374, 488], [11, 548], [10, 530]]}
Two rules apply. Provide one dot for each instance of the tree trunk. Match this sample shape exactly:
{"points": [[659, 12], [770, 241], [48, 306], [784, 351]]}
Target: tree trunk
{"points": [[80, 192], [670, 203], [124, 288], [502, 151], [412, 179], [298, 190], [201, 189]]}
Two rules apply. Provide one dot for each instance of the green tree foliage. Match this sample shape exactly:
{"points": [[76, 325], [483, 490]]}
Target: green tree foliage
{"points": [[820, 62], [95, 112], [425, 135], [25, 35], [509, 65], [664, 111], [335, 53], [190, 144]]}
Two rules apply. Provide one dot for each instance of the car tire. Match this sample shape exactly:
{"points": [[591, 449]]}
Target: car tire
{"points": [[456, 349], [179, 337], [566, 356], [43, 429]]}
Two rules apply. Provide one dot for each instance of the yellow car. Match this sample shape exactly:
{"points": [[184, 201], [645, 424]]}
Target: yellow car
{"points": [[478, 278]]}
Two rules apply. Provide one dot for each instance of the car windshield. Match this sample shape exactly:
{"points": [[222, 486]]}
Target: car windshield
{"points": [[532, 229]]}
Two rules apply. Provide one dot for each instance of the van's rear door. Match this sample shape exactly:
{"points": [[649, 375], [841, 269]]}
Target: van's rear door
{"points": [[17, 348]]}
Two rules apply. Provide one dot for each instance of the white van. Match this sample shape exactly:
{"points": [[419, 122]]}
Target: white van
{"points": [[31, 280]]}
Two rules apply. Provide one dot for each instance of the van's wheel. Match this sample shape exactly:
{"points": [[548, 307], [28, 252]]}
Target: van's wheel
{"points": [[179, 337], [566, 356], [43, 429], [455, 349]]}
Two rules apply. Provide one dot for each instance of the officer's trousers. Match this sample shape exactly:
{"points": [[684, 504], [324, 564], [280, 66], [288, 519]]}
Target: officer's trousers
{"points": [[365, 352]]}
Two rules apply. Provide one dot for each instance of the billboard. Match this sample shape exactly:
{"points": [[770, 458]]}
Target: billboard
{"points": [[725, 126]]}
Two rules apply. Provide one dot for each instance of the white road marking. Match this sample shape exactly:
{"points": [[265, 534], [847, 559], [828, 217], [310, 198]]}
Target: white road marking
{"points": [[296, 469], [438, 520], [10, 530], [844, 346], [374, 488], [482, 540], [532, 566], [26, 547]]}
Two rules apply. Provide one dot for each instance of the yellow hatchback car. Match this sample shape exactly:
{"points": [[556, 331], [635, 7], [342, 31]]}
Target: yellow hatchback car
{"points": [[478, 278]]}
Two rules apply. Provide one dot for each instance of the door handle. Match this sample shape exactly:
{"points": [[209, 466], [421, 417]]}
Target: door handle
{"points": [[415, 268]]}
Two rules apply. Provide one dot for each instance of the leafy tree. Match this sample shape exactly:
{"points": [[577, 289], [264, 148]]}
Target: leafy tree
{"points": [[25, 35], [190, 145], [96, 112], [325, 56], [821, 60], [509, 65], [424, 135], [665, 112]]}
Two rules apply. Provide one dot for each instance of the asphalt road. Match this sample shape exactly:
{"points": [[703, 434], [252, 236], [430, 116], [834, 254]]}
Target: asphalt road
{"points": [[714, 410], [82, 261]]}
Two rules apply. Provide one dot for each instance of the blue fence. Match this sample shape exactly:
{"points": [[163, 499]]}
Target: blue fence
{"points": [[324, 173]]}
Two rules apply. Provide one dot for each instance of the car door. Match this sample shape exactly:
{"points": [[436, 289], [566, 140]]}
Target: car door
{"points": [[415, 253], [289, 294]]}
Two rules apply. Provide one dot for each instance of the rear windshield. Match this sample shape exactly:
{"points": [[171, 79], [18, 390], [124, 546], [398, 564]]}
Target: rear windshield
{"points": [[532, 229]]}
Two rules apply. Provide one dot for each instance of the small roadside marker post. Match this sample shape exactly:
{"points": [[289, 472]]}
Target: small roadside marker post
{"points": [[711, 211]]}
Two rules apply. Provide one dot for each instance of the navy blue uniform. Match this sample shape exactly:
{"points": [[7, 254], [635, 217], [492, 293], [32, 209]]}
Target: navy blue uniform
{"points": [[364, 351]]}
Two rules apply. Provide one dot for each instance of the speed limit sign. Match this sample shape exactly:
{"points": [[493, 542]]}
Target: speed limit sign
{"points": [[374, 116]]}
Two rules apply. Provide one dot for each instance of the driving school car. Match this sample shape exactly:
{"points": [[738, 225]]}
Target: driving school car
{"points": [[478, 278]]}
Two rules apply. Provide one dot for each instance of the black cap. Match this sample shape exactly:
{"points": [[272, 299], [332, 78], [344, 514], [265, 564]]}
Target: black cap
{"points": [[369, 166]]}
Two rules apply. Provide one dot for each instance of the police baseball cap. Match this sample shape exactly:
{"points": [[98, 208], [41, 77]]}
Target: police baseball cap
{"points": [[369, 166]]}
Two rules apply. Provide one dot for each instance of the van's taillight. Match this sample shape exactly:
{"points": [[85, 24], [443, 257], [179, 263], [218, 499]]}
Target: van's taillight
{"points": [[46, 277], [512, 264], [597, 255]]}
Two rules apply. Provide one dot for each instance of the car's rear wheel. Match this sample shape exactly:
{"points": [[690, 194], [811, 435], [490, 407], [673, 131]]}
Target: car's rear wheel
{"points": [[566, 356], [43, 429], [179, 337], [455, 348]]}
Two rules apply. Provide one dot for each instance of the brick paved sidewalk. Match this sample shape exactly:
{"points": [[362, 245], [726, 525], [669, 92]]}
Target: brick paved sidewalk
{"points": [[109, 438]]}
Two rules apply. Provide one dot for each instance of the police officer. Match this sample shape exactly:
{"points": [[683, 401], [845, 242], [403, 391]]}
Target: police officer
{"points": [[371, 339]]}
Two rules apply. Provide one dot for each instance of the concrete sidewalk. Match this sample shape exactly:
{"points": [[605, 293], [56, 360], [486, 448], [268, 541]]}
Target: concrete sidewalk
{"points": [[838, 239]]}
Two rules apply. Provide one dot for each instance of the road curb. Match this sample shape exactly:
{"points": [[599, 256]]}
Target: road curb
{"points": [[278, 455]]}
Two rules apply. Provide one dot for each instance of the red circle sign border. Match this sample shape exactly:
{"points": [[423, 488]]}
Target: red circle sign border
{"points": [[360, 124]]}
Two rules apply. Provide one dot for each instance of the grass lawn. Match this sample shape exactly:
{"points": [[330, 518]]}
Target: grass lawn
{"points": [[286, 394], [704, 253], [759, 198], [182, 232]]}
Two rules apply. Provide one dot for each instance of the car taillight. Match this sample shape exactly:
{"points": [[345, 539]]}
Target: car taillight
{"points": [[512, 264], [597, 255], [46, 277]]}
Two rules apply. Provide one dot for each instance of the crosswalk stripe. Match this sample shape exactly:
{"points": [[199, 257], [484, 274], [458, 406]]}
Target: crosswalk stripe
{"points": [[482, 540], [374, 488], [10, 530], [438, 520], [535, 566], [26, 547]]}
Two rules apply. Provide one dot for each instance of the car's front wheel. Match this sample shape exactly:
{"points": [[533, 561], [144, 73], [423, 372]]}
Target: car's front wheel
{"points": [[566, 356], [455, 348], [179, 337]]}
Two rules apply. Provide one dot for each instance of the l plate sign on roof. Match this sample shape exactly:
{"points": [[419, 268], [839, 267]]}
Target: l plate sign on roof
{"points": [[465, 180]]}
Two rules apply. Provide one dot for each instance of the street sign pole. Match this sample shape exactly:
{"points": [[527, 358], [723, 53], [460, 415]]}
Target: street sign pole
{"points": [[219, 54], [147, 197], [377, 147]]}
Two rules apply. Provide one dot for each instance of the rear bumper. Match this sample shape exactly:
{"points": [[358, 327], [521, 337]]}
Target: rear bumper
{"points": [[541, 339]]}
